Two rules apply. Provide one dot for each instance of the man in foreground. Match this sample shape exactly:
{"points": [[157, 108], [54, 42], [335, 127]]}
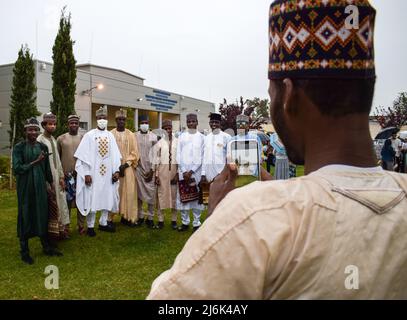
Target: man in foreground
{"points": [[340, 232]]}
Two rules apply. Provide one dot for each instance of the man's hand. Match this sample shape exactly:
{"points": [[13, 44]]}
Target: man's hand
{"points": [[149, 176], [187, 176], [203, 180], [122, 169], [88, 180], [62, 183], [265, 176], [40, 158], [175, 180], [115, 177], [221, 186], [51, 189]]}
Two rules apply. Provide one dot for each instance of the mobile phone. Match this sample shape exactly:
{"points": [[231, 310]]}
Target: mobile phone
{"points": [[246, 155]]}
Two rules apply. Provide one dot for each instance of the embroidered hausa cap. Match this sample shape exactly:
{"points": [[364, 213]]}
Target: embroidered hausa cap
{"points": [[192, 116], [73, 117], [49, 116], [166, 123], [102, 111], [143, 117], [321, 39], [121, 113], [32, 122]]}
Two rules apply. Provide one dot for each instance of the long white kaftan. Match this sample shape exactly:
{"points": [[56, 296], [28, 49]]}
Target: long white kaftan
{"points": [[189, 158], [98, 156], [214, 159]]}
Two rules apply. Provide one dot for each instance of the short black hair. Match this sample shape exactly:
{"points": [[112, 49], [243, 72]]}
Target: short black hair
{"points": [[338, 97]]}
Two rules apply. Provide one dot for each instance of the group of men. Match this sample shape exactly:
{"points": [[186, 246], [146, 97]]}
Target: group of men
{"points": [[115, 172]]}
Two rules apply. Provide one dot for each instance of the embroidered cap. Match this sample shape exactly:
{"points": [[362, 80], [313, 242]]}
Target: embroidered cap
{"points": [[166, 123], [102, 111], [121, 113], [321, 39], [32, 122], [73, 117]]}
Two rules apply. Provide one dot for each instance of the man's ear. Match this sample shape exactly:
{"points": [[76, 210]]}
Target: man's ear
{"points": [[288, 97]]}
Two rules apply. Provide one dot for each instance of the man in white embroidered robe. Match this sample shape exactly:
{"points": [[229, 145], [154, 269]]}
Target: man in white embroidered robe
{"points": [[97, 167], [189, 159], [214, 150]]}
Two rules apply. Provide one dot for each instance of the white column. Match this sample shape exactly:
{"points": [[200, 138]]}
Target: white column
{"points": [[136, 119], [160, 120]]}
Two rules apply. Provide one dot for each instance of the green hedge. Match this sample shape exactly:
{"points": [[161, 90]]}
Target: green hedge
{"points": [[4, 164]]}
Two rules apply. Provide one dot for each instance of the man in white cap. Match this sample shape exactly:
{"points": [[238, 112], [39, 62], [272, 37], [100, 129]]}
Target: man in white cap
{"points": [[97, 166], [189, 158]]}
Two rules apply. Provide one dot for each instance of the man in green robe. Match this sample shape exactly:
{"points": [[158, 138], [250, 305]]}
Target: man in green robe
{"points": [[32, 170]]}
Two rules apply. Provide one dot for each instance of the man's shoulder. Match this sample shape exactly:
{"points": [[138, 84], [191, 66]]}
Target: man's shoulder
{"points": [[283, 196], [61, 137]]}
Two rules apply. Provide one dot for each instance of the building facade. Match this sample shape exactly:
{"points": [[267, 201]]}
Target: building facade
{"points": [[120, 90]]}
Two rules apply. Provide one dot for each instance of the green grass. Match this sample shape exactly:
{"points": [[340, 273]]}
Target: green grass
{"points": [[121, 265]]}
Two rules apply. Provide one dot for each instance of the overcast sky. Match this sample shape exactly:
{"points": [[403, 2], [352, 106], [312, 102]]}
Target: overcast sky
{"points": [[204, 49]]}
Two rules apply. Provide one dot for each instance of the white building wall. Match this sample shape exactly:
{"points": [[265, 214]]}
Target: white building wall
{"points": [[118, 91]]}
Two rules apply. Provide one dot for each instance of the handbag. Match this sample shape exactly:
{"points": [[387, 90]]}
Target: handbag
{"points": [[188, 191]]}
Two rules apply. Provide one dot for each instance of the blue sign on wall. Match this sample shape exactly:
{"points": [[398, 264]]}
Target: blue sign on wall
{"points": [[161, 100]]}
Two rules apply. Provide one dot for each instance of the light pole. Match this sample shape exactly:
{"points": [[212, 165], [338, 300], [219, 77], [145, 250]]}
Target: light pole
{"points": [[100, 86]]}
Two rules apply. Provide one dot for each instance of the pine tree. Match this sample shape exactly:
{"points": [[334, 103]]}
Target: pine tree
{"points": [[63, 75], [23, 96]]}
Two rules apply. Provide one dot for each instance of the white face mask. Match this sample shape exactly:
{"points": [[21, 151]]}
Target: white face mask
{"points": [[144, 127], [241, 132], [102, 124]]}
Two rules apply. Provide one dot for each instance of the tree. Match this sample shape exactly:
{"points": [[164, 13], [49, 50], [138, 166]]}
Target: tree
{"points": [[260, 113], [130, 119], [395, 116], [63, 74], [23, 95], [229, 112]]}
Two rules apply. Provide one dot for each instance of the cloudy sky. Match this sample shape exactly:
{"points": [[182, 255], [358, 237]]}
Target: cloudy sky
{"points": [[205, 49]]}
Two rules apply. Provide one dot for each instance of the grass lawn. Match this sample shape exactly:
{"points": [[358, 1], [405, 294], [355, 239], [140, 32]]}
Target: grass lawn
{"points": [[121, 265]]}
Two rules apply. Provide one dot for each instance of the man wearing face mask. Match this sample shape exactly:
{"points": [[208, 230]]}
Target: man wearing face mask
{"points": [[144, 172], [97, 167]]}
